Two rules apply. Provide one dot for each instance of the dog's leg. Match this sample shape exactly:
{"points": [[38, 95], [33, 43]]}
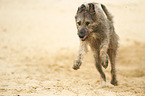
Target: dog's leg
{"points": [[112, 55], [82, 51], [98, 65], [103, 52], [105, 64]]}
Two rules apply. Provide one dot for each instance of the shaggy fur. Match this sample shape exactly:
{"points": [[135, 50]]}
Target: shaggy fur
{"points": [[95, 28]]}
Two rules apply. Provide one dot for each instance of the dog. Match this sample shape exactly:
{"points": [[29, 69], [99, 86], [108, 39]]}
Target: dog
{"points": [[95, 29]]}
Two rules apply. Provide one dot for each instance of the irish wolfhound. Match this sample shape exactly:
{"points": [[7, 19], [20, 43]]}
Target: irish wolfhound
{"points": [[95, 28]]}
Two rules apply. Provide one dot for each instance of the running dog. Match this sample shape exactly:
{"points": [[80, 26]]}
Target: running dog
{"points": [[95, 29]]}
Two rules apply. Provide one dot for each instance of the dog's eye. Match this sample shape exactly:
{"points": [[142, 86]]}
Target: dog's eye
{"points": [[79, 23], [87, 23]]}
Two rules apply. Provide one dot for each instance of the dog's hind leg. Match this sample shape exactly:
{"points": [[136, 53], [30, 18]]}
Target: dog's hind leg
{"points": [[82, 51]]}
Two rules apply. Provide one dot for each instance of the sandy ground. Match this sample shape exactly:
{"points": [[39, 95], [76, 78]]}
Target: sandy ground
{"points": [[38, 43]]}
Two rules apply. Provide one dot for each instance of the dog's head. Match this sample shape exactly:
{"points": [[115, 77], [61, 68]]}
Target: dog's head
{"points": [[85, 18]]}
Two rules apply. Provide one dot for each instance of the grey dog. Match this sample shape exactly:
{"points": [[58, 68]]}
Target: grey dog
{"points": [[95, 28]]}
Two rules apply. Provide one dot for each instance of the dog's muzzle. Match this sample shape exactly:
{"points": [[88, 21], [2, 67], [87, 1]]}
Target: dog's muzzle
{"points": [[83, 34], [84, 38]]}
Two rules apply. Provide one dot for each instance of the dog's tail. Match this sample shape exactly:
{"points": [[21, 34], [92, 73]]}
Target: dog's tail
{"points": [[109, 16]]}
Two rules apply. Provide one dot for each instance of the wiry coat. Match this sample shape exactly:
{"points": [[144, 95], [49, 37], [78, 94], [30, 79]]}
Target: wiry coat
{"points": [[95, 28]]}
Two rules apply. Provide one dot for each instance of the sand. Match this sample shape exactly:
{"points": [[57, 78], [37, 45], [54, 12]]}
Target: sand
{"points": [[38, 43]]}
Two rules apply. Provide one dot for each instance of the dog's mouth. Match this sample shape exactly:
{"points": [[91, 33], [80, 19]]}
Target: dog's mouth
{"points": [[84, 38]]}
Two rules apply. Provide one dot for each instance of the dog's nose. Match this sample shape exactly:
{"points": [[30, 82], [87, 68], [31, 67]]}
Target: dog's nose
{"points": [[82, 33]]}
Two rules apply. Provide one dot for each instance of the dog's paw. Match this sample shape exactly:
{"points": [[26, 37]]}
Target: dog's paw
{"points": [[103, 55], [105, 63], [77, 64], [114, 82], [104, 58]]}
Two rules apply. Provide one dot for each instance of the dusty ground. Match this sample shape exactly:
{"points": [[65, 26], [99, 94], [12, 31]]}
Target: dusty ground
{"points": [[38, 43]]}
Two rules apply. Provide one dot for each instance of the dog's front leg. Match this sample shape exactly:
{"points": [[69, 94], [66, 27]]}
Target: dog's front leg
{"points": [[103, 52], [82, 51]]}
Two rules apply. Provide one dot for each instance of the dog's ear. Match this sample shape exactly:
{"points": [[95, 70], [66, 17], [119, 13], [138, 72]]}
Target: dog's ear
{"points": [[81, 8], [92, 10]]}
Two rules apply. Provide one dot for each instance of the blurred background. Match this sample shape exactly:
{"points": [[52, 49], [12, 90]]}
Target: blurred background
{"points": [[38, 43]]}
